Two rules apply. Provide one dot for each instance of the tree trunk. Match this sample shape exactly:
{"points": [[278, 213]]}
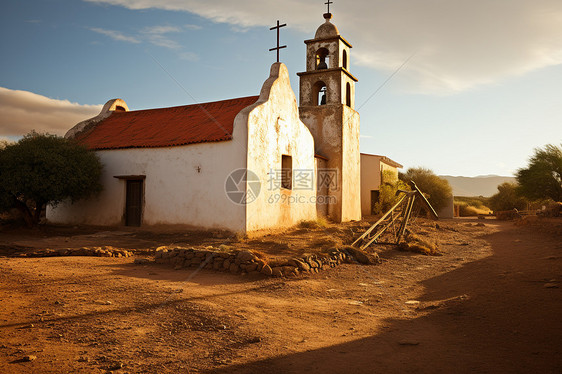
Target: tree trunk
{"points": [[39, 205], [25, 212]]}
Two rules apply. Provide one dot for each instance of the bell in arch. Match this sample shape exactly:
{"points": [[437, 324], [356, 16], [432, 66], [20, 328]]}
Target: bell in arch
{"points": [[322, 64]]}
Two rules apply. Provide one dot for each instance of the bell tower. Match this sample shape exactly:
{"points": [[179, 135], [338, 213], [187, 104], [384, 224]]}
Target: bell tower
{"points": [[327, 102]]}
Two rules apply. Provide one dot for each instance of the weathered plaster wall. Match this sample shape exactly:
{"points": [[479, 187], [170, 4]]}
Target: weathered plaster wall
{"points": [[322, 192], [324, 123], [335, 129], [274, 129], [174, 191], [351, 166]]}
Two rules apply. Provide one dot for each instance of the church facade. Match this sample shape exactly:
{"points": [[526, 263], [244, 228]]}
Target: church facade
{"points": [[242, 164]]}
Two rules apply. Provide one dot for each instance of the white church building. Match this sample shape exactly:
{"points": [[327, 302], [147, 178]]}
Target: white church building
{"points": [[242, 164]]}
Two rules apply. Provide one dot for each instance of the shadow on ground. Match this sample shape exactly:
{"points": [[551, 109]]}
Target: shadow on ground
{"points": [[495, 315]]}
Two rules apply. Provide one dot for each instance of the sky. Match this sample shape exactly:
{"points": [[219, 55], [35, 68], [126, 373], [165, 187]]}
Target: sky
{"points": [[460, 87]]}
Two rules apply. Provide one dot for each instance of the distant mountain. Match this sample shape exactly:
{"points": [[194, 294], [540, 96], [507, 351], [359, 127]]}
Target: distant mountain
{"points": [[485, 185]]}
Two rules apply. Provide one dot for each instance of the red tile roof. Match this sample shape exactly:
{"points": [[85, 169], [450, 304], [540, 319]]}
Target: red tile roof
{"points": [[165, 127]]}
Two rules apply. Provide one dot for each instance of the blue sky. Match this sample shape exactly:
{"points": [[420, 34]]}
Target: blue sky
{"points": [[482, 88]]}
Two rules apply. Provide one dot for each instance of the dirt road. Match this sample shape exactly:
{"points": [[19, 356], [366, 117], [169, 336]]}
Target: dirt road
{"points": [[490, 304]]}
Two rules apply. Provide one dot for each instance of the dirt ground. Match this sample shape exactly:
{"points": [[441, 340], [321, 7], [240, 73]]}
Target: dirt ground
{"points": [[491, 304]]}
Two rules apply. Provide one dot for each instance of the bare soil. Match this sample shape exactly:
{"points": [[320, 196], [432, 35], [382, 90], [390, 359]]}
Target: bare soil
{"points": [[490, 304]]}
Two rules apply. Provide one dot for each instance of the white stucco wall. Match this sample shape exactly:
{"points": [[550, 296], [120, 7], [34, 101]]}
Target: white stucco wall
{"points": [[274, 129], [174, 191]]}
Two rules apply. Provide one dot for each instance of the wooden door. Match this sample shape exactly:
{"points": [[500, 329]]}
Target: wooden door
{"points": [[374, 199], [133, 205]]}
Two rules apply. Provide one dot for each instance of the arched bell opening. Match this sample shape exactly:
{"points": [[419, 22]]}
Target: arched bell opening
{"points": [[319, 93]]}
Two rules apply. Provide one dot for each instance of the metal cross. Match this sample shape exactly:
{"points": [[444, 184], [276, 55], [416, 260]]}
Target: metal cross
{"points": [[328, 4], [278, 47]]}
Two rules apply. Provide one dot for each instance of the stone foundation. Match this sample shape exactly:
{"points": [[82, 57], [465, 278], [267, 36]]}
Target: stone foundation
{"points": [[246, 262]]}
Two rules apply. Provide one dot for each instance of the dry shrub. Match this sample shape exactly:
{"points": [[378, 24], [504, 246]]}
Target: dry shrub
{"points": [[466, 210], [415, 243]]}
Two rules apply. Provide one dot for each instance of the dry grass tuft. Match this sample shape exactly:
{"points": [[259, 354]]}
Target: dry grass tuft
{"points": [[319, 223], [415, 243], [261, 255], [239, 237]]}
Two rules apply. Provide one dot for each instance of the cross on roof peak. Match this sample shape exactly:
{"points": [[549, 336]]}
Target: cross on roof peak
{"points": [[278, 47]]}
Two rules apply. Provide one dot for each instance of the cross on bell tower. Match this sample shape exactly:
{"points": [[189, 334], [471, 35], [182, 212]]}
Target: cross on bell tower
{"points": [[328, 4]]}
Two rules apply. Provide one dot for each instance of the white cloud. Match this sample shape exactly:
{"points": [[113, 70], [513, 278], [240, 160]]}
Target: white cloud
{"points": [[156, 35], [4, 140], [23, 111], [161, 29], [116, 35], [458, 44]]}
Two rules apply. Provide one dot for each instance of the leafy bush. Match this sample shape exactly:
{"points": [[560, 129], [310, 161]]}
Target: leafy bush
{"points": [[387, 194], [508, 198], [439, 190]]}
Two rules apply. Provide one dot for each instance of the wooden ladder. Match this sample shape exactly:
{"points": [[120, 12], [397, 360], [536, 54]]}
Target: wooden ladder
{"points": [[401, 211]]}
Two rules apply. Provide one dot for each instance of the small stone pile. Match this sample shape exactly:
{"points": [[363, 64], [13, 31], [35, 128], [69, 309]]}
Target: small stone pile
{"points": [[105, 251], [244, 261]]}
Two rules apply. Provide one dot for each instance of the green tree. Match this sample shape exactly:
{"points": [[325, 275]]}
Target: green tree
{"points": [[507, 198], [43, 169], [543, 177], [438, 189]]}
